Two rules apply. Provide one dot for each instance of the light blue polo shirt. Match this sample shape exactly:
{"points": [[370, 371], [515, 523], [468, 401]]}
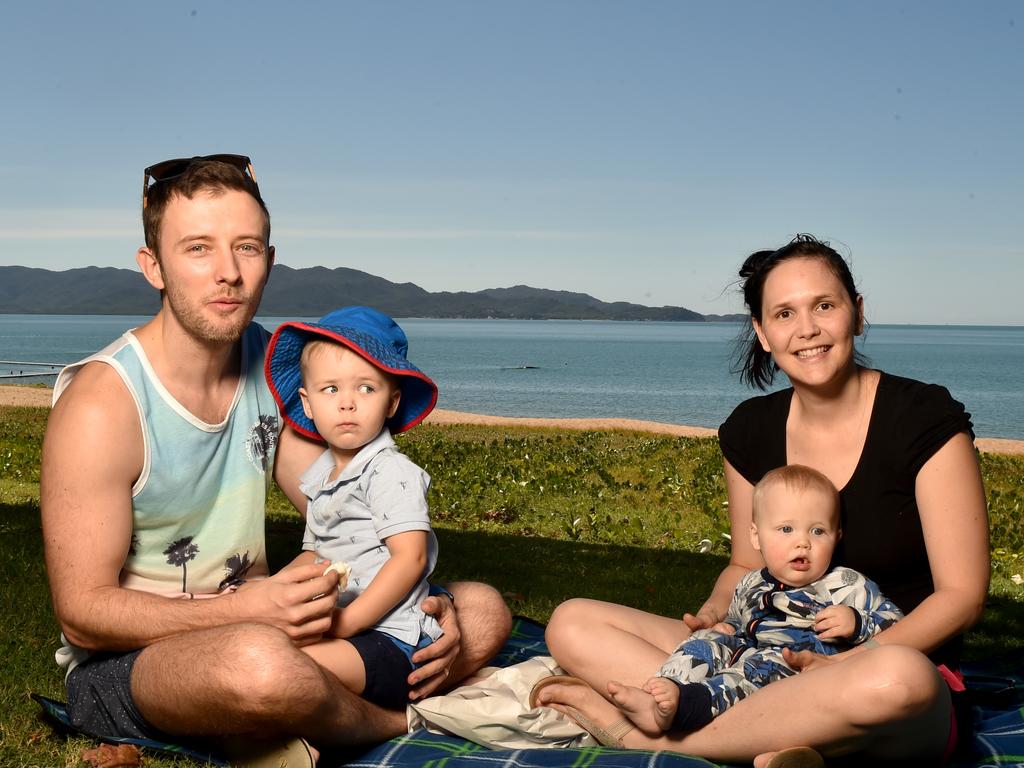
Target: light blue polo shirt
{"points": [[380, 493]]}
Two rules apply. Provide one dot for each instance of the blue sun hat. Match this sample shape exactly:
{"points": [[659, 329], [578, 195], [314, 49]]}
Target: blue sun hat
{"points": [[373, 336]]}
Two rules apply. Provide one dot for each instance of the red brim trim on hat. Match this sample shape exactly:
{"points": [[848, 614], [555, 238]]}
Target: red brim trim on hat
{"points": [[426, 411], [348, 344], [272, 385]]}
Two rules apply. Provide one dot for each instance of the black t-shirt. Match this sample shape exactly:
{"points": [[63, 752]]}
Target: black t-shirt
{"points": [[882, 535]]}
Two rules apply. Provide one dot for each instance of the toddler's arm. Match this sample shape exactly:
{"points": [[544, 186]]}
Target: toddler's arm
{"points": [[395, 579], [303, 558]]}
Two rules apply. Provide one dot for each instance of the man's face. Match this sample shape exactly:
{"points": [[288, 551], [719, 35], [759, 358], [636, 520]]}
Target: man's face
{"points": [[214, 261]]}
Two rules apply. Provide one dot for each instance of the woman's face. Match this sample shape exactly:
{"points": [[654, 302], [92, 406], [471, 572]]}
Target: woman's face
{"points": [[808, 322]]}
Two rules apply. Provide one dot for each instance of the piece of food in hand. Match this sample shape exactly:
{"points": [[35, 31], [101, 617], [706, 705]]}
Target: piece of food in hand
{"points": [[344, 570]]}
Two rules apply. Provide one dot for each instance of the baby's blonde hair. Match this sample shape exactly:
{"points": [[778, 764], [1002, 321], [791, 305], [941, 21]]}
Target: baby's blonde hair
{"points": [[319, 346], [797, 477]]}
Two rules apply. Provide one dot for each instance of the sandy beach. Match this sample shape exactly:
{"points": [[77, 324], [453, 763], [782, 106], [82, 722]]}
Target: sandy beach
{"points": [[40, 397]]}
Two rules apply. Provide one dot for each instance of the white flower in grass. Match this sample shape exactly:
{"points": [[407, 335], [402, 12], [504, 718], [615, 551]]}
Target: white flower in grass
{"points": [[704, 546], [1017, 579]]}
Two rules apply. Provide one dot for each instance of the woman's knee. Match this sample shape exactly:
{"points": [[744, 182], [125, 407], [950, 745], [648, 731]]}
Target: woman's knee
{"points": [[899, 684], [568, 624]]}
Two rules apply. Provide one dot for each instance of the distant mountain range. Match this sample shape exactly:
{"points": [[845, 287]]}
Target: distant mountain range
{"points": [[313, 292]]}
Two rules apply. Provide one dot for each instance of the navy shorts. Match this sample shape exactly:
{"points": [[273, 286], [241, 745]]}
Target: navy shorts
{"points": [[100, 700], [99, 690], [387, 666]]}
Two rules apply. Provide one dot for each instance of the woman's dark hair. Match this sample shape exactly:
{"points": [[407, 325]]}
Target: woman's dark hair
{"points": [[755, 366]]}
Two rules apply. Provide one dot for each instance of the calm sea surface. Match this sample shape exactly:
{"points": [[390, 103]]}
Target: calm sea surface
{"points": [[671, 372]]}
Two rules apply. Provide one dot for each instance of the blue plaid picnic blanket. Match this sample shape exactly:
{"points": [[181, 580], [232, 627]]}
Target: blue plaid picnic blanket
{"points": [[995, 688]]}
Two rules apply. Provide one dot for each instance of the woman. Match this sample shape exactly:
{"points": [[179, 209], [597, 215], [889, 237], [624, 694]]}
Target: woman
{"points": [[914, 520]]}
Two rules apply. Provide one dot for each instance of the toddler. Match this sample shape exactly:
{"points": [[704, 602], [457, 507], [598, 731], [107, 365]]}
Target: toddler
{"points": [[345, 380]]}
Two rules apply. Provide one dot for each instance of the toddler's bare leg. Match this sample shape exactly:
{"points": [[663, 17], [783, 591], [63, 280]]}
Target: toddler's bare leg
{"points": [[341, 659]]}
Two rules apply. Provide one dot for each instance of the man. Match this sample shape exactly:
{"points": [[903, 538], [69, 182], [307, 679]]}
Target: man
{"points": [[153, 485]]}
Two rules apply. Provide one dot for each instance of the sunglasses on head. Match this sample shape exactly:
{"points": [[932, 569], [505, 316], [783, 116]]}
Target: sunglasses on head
{"points": [[170, 169]]}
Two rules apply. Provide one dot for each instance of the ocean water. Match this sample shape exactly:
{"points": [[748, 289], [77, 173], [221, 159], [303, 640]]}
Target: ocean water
{"points": [[670, 372]]}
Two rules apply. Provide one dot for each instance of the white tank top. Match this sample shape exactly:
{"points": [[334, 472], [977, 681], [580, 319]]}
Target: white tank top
{"points": [[198, 505]]}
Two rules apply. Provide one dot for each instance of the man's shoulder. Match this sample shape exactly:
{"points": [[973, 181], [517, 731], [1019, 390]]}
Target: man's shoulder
{"points": [[96, 384], [94, 433], [95, 402]]}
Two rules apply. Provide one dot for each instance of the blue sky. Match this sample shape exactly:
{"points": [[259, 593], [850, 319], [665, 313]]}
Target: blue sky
{"points": [[635, 151]]}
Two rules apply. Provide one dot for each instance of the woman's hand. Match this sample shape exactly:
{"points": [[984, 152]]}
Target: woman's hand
{"points": [[806, 661], [703, 619], [708, 618]]}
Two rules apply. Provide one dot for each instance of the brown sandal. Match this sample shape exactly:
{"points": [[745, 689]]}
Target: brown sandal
{"points": [[609, 736]]}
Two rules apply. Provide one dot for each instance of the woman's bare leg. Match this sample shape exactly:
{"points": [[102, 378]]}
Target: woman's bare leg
{"points": [[601, 641], [888, 703]]}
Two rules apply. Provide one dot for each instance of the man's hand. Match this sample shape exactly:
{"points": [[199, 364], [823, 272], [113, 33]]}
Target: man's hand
{"points": [[436, 660], [836, 621], [298, 599]]}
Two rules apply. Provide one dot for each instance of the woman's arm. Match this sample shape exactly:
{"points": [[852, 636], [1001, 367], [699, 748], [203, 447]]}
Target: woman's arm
{"points": [[743, 557], [954, 519]]}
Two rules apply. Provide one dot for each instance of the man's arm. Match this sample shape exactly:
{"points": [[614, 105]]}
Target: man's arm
{"points": [[92, 455], [295, 454]]}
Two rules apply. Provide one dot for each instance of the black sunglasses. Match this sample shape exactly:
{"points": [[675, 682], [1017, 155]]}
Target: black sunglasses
{"points": [[170, 169]]}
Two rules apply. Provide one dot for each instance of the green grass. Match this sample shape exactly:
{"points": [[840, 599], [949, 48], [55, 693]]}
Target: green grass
{"points": [[541, 514]]}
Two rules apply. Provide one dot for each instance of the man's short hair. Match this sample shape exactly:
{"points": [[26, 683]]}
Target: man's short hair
{"points": [[797, 477], [209, 176]]}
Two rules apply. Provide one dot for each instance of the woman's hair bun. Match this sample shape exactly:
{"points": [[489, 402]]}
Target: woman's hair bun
{"points": [[754, 262]]}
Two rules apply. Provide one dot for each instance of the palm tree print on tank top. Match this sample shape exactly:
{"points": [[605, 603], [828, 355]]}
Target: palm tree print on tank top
{"points": [[179, 553], [235, 567]]}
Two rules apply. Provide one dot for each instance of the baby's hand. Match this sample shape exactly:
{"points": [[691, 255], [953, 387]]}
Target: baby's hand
{"points": [[836, 621]]}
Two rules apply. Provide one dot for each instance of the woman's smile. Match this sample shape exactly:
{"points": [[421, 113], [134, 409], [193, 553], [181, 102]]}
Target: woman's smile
{"points": [[807, 354]]}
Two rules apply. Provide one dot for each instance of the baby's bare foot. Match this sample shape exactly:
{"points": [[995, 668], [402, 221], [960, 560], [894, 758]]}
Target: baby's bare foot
{"points": [[666, 699], [641, 708]]}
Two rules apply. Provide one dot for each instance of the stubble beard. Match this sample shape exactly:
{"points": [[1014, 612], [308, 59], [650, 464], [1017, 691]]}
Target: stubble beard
{"points": [[199, 325]]}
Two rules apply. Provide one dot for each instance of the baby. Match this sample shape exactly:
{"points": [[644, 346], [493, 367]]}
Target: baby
{"points": [[345, 380], [794, 602]]}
